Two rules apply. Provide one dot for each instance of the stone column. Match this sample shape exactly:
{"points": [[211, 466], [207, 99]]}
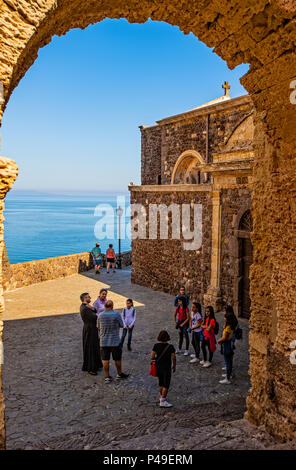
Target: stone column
{"points": [[8, 174], [213, 295]]}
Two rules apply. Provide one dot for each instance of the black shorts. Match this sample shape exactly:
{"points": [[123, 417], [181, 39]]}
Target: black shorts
{"points": [[110, 260], [107, 350], [164, 377]]}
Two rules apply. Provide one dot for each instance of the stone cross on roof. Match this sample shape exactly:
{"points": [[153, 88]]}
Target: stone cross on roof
{"points": [[226, 87]]}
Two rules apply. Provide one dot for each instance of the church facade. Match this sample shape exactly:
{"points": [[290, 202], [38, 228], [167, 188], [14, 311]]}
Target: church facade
{"points": [[200, 158]]}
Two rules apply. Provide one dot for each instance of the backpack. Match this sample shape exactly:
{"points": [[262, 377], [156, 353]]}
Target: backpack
{"points": [[216, 327], [124, 312], [238, 333]]}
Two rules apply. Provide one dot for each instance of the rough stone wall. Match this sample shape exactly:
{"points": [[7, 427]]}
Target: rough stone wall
{"points": [[263, 34], [33, 272], [233, 202], [150, 155], [8, 174], [164, 264], [177, 138]]}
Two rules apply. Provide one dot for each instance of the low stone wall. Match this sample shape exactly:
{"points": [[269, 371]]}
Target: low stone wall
{"points": [[24, 274]]}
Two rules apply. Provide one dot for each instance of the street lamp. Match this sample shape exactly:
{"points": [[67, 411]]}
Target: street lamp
{"points": [[119, 213]]}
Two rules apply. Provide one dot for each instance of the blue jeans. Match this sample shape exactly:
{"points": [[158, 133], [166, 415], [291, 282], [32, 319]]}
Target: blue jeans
{"points": [[183, 332], [129, 338], [228, 359]]}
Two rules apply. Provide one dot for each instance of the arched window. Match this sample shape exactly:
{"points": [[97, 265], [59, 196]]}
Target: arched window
{"points": [[187, 169], [246, 222]]}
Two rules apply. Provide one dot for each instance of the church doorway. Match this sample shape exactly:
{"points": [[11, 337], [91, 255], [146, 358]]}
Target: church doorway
{"points": [[245, 253]]}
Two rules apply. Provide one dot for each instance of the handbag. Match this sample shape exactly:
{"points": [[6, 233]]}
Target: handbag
{"points": [[153, 370]]}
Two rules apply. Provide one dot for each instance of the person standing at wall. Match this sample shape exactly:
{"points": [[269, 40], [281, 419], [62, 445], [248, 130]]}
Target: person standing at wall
{"points": [[91, 352], [164, 355], [228, 309], [128, 318], [109, 324], [209, 341], [181, 319], [97, 257], [196, 330], [230, 323], [111, 258], [182, 293]]}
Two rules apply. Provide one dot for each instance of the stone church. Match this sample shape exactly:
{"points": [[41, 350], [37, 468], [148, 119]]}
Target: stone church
{"points": [[202, 156]]}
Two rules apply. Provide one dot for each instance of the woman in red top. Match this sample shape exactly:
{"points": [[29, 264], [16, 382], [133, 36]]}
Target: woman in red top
{"points": [[181, 319], [209, 340], [110, 255]]}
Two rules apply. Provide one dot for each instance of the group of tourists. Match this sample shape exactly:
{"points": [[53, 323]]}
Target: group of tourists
{"points": [[101, 338], [96, 254], [204, 331]]}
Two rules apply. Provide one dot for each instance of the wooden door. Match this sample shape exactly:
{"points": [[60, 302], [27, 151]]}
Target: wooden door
{"points": [[245, 261]]}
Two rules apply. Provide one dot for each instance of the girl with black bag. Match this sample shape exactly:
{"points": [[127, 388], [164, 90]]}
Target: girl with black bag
{"points": [[164, 354], [227, 345]]}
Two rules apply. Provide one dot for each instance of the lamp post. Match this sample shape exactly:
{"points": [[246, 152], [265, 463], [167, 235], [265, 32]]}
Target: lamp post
{"points": [[119, 212]]}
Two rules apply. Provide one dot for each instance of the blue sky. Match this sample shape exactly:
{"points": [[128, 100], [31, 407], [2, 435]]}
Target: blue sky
{"points": [[72, 123]]}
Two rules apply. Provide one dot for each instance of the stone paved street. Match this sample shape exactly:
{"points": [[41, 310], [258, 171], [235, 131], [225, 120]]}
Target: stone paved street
{"points": [[51, 403]]}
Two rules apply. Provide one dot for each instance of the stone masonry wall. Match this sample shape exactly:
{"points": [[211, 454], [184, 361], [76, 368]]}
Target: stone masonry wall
{"points": [[180, 137], [234, 203], [32, 272], [261, 33], [164, 264], [150, 154]]}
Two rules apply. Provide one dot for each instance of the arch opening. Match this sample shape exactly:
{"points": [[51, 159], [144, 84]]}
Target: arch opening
{"points": [[244, 33]]}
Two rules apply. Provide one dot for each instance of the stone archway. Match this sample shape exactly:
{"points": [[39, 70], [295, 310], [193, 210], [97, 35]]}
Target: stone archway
{"points": [[188, 168], [239, 33]]}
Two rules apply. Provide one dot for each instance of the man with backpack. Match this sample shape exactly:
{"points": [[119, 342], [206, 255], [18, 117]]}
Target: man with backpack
{"points": [[128, 319], [182, 293]]}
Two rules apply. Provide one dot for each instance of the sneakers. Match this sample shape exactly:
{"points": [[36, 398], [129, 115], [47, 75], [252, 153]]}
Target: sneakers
{"points": [[165, 404], [223, 368], [192, 355], [207, 364], [177, 350], [224, 381], [202, 362], [122, 376], [186, 352], [108, 380], [193, 360], [225, 375]]}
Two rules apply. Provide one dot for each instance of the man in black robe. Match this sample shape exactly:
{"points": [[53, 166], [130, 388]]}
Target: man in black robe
{"points": [[91, 351]]}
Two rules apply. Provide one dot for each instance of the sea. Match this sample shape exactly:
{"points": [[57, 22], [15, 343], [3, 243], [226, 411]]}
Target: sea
{"points": [[43, 225]]}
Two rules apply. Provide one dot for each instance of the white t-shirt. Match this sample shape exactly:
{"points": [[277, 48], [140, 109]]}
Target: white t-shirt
{"points": [[195, 318]]}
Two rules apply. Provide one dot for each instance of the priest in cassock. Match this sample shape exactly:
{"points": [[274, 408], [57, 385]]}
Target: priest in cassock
{"points": [[91, 353]]}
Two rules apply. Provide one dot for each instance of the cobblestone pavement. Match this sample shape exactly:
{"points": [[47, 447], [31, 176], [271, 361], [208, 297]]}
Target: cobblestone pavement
{"points": [[51, 403]]}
